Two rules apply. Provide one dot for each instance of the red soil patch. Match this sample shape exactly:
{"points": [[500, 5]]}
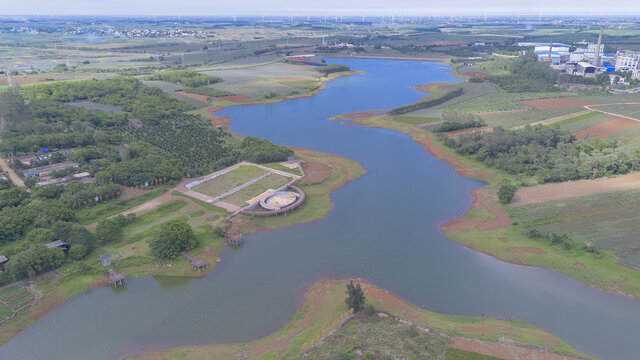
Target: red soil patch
{"points": [[315, 172], [361, 115], [222, 121], [607, 128], [532, 250], [504, 351], [20, 80], [482, 199], [504, 240], [424, 88], [383, 295], [199, 97], [569, 189], [477, 330], [579, 265], [214, 109], [237, 97], [556, 103]]}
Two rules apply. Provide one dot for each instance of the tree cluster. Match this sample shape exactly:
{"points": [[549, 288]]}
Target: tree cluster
{"points": [[188, 78], [427, 103], [549, 153]]}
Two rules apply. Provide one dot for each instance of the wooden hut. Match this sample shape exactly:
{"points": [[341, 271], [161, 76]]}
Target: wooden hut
{"points": [[59, 244], [117, 278], [197, 263], [3, 260]]}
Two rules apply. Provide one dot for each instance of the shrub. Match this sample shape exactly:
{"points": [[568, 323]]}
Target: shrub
{"points": [[506, 192]]}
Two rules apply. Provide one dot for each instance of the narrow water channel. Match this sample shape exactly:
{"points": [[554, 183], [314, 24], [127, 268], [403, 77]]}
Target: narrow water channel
{"points": [[384, 228]]}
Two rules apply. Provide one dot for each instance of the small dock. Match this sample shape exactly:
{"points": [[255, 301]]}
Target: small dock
{"points": [[197, 263], [117, 278]]}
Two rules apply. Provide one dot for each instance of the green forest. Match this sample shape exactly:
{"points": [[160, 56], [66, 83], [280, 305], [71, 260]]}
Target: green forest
{"points": [[151, 138], [548, 153]]}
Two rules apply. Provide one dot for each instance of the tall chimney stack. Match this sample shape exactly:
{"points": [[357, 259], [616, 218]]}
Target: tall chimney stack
{"points": [[596, 59], [550, 49]]}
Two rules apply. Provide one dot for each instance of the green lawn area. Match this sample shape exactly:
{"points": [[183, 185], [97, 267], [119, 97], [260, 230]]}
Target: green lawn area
{"points": [[278, 166], [230, 180], [109, 208], [272, 181], [582, 122], [629, 110], [575, 118]]}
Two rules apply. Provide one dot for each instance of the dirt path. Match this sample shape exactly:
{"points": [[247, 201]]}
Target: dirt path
{"points": [[552, 120], [4, 167], [590, 107], [569, 189]]}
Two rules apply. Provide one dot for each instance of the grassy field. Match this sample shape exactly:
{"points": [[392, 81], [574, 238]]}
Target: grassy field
{"points": [[610, 221], [230, 180], [470, 91], [324, 302], [14, 297], [495, 102], [496, 65], [278, 166], [273, 181], [508, 120], [583, 121], [318, 202], [109, 208], [629, 110]]}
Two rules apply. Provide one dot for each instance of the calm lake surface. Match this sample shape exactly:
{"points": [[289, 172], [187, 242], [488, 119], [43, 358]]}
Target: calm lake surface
{"points": [[384, 228]]}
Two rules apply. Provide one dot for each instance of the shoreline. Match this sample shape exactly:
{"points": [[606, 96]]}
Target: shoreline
{"points": [[322, 301], [347, 170], [469, 168]]}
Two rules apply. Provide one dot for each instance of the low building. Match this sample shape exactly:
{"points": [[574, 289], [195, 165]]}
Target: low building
{"points": [[84, 177], [3, 260], [58, 244], [585, 69], [47, 169], [27, 160]]}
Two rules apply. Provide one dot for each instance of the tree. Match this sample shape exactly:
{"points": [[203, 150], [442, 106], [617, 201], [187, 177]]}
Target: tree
{"points": [[355, 297], [506, 192], [108, 231], [175, 236], [77, 251]]}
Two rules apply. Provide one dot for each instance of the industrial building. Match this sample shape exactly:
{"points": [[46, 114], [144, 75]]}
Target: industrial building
{"points": [[627, 60]]}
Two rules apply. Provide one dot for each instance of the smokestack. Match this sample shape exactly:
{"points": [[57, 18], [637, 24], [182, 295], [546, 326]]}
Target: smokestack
{"points": [[596, 59], [550, 49]]}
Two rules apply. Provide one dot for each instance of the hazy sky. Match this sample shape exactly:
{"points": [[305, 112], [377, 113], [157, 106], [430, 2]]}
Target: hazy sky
{"points": [[313, 7]]}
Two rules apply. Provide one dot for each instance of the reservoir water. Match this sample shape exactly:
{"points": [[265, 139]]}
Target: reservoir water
{"points": [[384, 228]]}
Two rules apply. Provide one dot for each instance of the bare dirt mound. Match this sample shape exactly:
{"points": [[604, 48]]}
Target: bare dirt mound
{"points": [[607, 128], [482, 199], [555, 103], [315, 172], [222, 121], [505, 351], [532, 250], [569, 189]]}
